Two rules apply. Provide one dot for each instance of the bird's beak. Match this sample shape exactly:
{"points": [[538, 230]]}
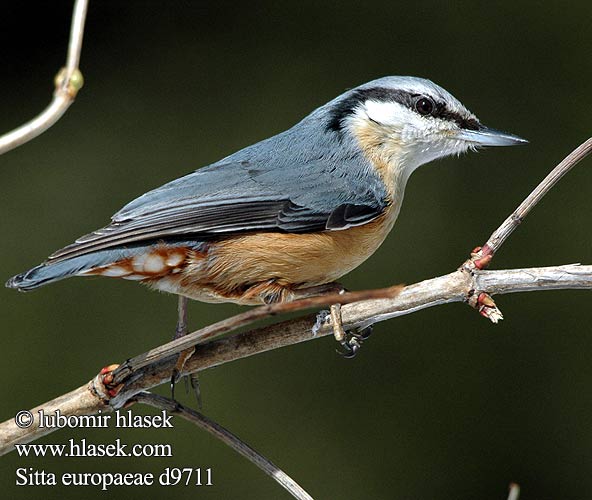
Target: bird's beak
{"points": [[489, 137]]}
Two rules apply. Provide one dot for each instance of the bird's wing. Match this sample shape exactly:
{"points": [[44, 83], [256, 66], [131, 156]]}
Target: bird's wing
{"points": [[242, 196]]}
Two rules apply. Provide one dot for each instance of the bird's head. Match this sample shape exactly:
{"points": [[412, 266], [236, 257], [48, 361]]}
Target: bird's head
{"points": [[409, 121]]}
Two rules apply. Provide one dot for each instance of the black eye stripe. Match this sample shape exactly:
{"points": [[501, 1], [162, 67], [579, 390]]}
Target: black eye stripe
{"points": [[461, 121], [441, 111], [344, 108]]}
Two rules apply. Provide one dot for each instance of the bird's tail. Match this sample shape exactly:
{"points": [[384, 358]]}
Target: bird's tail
{"points": [[51, 271]]}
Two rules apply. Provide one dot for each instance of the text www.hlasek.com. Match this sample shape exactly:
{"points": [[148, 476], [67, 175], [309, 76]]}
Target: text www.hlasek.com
{"points": [[83, 449]]}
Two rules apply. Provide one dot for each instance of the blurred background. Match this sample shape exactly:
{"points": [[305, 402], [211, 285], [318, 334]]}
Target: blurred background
{"points": [[440, 404]]}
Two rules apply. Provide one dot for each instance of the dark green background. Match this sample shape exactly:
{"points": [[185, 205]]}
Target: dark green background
{"points": [[439, 404]]}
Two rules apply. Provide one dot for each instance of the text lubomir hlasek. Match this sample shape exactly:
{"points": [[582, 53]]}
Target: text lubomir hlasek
{"points": [[123, 419]]}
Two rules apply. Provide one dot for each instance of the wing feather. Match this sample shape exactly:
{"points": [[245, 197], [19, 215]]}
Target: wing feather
{"points": [[234, 197]]}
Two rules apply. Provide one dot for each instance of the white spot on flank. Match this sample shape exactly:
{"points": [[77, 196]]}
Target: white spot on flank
{"points": [[138, 262], [114, 271], [175, 259], [135, 277], [166, 284], [154, 263]]}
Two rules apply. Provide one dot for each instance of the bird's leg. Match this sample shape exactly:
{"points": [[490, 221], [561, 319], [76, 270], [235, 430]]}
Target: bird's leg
{"points": [[350, 341], [180, 331], [337, 322]]}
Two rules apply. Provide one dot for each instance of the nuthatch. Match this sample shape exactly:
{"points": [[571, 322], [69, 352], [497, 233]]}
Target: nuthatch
{"points": [[286, 217]]}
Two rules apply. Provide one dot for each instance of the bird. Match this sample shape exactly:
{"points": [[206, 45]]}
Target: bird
{"points": [[286, 217]]}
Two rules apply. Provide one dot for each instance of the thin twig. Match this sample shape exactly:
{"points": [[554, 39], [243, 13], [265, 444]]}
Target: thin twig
{"points": [[76, 34], [514, 492], [499, 236], [481, 257], [226, 437], [67, 84]]}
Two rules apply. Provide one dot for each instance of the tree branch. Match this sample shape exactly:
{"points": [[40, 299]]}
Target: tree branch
{"points": [[68, 82], [453, 287], [482, 255]]}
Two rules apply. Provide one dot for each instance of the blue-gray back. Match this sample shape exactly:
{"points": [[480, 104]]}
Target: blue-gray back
{"points": [[306, 179]]}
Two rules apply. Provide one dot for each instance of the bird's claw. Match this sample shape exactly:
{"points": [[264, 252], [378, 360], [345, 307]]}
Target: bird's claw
{"points": [[364, 333], [192, 382], [350, 348], [174, 379], [353, 341]]}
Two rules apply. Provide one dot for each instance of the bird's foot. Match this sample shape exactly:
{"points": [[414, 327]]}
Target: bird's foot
{"points": [[350, 341], [191, 380], [353, 341]]}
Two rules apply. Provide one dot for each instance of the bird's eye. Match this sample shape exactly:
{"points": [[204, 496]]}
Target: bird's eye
{"points": [[424, 106]]}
